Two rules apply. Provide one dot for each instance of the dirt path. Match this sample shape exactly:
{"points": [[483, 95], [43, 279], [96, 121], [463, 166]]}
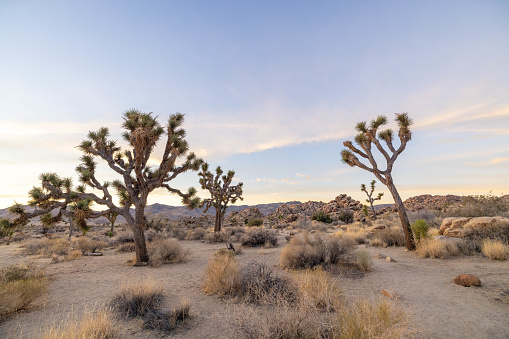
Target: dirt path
{"points": [[442, 308]]}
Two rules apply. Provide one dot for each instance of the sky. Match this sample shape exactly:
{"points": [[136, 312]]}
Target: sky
{"points": [[269, 89]]}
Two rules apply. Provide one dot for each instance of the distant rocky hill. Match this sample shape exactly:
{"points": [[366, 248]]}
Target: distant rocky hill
{"points": [[161, 211]]}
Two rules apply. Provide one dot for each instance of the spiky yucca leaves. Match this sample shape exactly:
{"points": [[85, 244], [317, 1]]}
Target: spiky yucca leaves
{"points": [[369, 136], [221, 191], [370, 198], [7, 228]]}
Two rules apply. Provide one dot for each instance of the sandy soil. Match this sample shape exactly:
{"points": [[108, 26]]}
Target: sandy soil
{"points": [[441, 308]]}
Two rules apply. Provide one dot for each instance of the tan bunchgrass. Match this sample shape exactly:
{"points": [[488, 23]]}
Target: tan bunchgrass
{"points": [[317, 288], [87, 245], [93, 325], [167, 251], [221, 275], [373, 319], [431, 248], [20, 285], [364, 260], [46, 247], [495, 249]]}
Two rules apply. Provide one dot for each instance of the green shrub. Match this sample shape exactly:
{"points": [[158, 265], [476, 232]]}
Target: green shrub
{"points": [[255, 222], [345, 215], [420, 229], [322, 216]]}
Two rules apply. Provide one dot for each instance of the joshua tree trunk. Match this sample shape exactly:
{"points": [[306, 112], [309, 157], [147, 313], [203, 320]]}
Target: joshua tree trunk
{"points": [[112, 225], [217, 225], [403, 217], [138, 228], [372, 208]]}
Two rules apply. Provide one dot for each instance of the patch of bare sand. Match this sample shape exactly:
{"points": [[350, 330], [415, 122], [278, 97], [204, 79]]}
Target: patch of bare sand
{"points": [[441, 308]]}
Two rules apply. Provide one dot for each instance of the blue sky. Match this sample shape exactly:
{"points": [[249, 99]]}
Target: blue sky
{"points": [[270, 89]]}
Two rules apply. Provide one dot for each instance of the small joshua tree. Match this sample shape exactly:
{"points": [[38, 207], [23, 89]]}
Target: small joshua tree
{"points": [[220, 191], [137, 181], [366, 138], [370, 198]]}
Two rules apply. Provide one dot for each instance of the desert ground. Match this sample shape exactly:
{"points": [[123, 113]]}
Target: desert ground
{"points": [[423, 286]]}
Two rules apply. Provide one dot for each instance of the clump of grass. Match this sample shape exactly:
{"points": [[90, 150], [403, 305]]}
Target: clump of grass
{"points": [[388, 238], [46, 247], [166, 251], [20, 285], [310, 250], [495, 249], [214, 237], [420, 229], [358, 234], [221, 275], [87, 245], [96, 325], [316, 288], [364, 260], [322, 216], [367, 319], [259, 237], [143, 300], [430, 248], [196, 234]]}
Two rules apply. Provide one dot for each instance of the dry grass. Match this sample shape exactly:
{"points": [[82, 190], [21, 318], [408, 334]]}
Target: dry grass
{"points": [[366, 319], [388, 237], [138, 299], [94, 325], [310, 250], [364, 260], [495, 249], [430, 248], [46, 247], [167, 251], [316, 288], [20, 285], [87, 245], [355, 232], [221, 275]]}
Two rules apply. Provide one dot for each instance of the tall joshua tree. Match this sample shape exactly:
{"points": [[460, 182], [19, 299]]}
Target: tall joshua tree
{"points": [[365, 139], [370, 198], [137, 181], [221, 192]]}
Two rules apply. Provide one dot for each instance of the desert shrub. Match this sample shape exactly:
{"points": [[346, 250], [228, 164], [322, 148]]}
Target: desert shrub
{"points": [[368, 319], [122, 238], [498, 231], [255, 222], [433, 218], [259, 237], [94, 325], [388, 237], [127, 247], [221, 275], [420, 229], [46, 246], [138, 299], [196, 234], [213, 237], [168, 321], [322, 216], [364, 260], [481, 206], [364, 319], [179, 233], [20, 285], [166, 251], [357, 234], [345, 215], [495, 250], [316, 288], [87, 245], [310, 250], [257, 283]]}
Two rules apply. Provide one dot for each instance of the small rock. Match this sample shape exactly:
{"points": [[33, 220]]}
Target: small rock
{"points": [[380, 256], [389, 259], [467, 280]]}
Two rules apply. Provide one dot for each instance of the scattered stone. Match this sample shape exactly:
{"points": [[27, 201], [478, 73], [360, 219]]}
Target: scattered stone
{"points": [[467, 280], [240, 218], [387, 294], [379, 256], [389, 259]]}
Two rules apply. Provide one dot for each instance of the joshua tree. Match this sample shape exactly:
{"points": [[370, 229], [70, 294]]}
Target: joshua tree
{"points": [[138, 180], [370, 198], [220, 191], [112, 217], [365, 139]]}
